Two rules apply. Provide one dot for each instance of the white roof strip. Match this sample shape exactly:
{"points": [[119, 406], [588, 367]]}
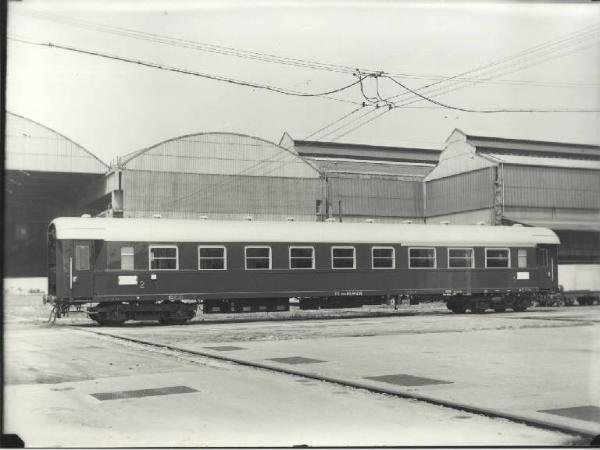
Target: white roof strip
{"points": [[207, 231], [370, 161], [545, 161]]}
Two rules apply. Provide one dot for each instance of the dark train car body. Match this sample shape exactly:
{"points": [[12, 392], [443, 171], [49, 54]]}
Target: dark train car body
{"points": [[156, 268]]}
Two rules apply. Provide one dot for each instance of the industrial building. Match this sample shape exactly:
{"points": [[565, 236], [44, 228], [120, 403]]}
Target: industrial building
{"points": [[46, 175], [497, 181], [474, 179], [369, 182]]}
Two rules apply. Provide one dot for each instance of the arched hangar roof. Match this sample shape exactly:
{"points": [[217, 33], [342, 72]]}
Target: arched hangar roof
{"points": [[221, 154], [169, 230], [33, 146]]}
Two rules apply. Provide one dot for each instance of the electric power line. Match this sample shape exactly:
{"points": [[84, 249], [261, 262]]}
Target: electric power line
{"points": [[265, 57], [524, 56], [190, 72]]}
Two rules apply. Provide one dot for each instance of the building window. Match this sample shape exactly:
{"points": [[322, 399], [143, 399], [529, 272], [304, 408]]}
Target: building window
{"points": [[258, 258], [163, 257], [343, 258], [497, 257], [522, 258], [126, 258], [383, 258], [460, 258], [302, 258], [82, 257], [421, 258], [212, 257]]}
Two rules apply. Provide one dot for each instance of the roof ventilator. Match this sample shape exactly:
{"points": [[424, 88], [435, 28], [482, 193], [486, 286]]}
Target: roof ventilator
{"points": [[249, 218], [407, 221], [86, 216], [156, 216], [445, 222], [330, 220], [480, 223], [370, 220]]}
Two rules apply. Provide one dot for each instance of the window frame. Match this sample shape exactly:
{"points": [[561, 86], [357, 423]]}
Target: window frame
{"points": [[472, 266], [342, 247], [383, 247], [213, 246], [423, 248], [150, 247], [121, 257], [303, 257], [519, 250], [256, 257], [78, 260], [497, 248]]}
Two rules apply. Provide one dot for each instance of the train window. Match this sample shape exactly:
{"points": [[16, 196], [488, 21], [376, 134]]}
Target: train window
{"points": [[497, 257], [460, 258], [543, 257], [521, 258], [383, 258], [258, 258], [126, 258], [343, 258], [212, 257], [82, 257], [302, 258], [163, 257], [421, 258]]}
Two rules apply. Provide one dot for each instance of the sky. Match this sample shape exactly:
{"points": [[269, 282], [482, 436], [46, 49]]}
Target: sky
{"points": [[113, 107]]}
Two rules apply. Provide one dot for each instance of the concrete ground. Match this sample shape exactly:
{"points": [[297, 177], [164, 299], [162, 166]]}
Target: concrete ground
{"points": [[66, 386]]}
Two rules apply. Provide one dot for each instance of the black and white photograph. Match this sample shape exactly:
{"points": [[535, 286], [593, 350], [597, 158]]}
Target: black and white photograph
{"points": [[315, 223]]}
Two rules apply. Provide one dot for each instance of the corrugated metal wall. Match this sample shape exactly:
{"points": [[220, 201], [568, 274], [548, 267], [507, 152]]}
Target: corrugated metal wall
{"points": [[548, 187], [218, 196], [578, 247], [226, 176], [370, 196], [462, 192]]}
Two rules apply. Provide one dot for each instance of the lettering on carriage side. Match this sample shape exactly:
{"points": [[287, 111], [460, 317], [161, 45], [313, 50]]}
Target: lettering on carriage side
{"points": [[347, 293], [175, 297], [142, 284], [522, 275]]}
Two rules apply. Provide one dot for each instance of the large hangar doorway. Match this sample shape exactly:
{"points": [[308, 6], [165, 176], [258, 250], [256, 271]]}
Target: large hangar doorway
{"points": [[46, 176]]}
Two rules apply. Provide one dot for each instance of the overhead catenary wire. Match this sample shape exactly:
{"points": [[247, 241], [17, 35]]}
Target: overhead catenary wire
{"points": [[486, 111], [529, 57], [190, 72], [385, 111], [264, 57], [487, 66], [448, 89], [186, 43]]}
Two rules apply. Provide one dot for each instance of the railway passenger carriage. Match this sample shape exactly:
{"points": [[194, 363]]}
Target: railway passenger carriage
{"points": [[162, 269]]}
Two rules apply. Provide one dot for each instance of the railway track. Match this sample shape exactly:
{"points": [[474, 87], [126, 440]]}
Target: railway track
{"points": [[193, 355]]}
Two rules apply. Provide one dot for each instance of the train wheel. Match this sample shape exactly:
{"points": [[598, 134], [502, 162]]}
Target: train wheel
{"points": [[458, 309], [499, 310]]}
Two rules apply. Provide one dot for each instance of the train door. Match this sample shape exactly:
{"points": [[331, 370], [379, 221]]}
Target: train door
{"points": [[78, 268], [546, 269]]}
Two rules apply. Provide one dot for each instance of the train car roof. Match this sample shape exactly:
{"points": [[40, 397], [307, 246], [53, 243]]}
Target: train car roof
{"points": [[213, 231]]}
